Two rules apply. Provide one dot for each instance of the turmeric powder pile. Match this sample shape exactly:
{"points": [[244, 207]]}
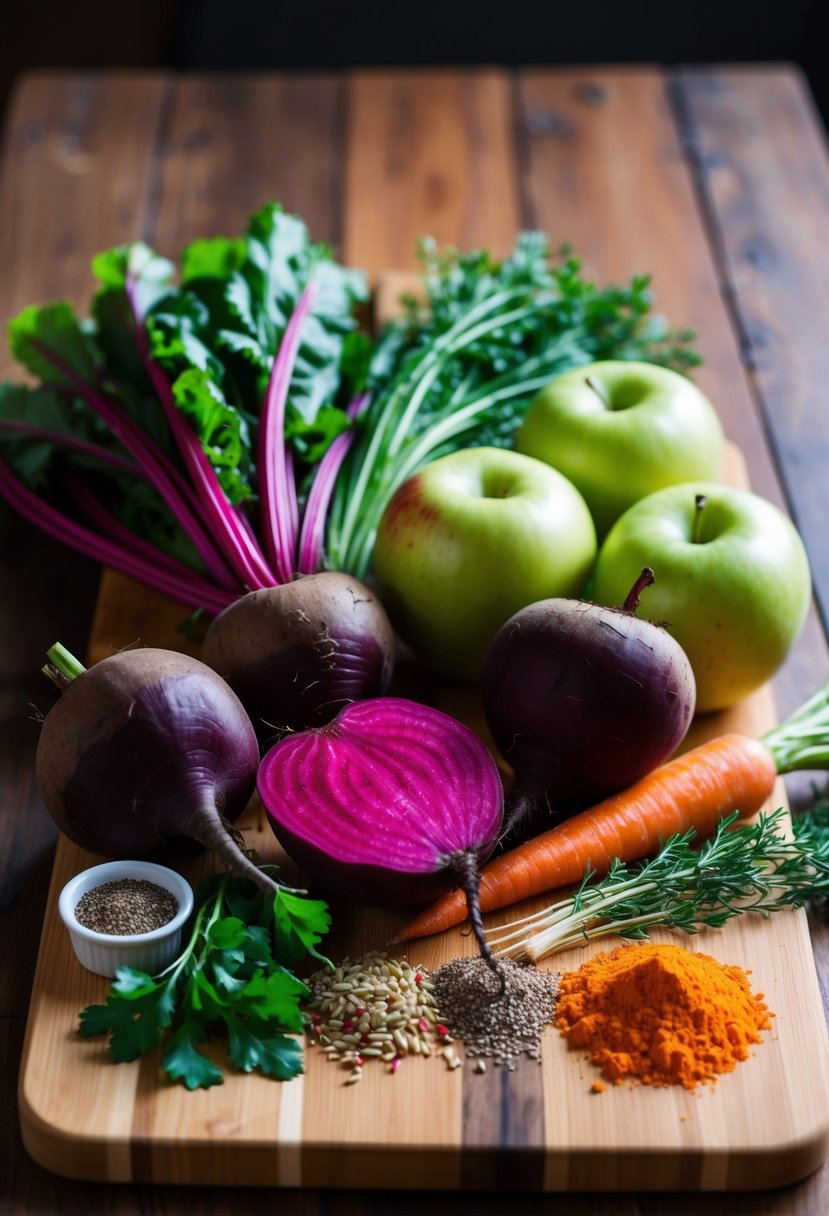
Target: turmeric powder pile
{"points": [[660, 1014]]}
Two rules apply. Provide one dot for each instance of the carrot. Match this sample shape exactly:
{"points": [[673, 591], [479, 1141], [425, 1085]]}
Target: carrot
{"points": [[693, 790]]}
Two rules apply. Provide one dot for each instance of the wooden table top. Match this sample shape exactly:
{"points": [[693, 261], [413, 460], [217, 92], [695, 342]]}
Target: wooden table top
{"points": [[716, 181]]}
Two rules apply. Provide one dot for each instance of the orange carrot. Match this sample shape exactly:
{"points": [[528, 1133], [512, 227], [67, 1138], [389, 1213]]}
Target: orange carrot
{"points": [[694, 790]]}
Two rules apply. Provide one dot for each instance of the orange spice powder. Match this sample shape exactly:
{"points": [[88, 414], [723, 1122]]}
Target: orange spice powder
{"points": [[660, 1014]]}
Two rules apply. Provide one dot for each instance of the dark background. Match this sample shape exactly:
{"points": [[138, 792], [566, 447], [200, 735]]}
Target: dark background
{"points": [[332, 34]]}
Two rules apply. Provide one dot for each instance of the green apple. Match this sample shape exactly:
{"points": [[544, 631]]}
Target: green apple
{"points": [[468, 541], [732, 581], [621, 430]]}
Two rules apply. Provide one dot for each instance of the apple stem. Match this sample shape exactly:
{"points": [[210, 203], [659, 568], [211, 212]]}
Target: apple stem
{"points": [[645, 579], [602, 396], [699, 503]]}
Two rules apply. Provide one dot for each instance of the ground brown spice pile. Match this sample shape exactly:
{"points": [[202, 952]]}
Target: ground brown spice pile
{"points": [[125, 907], [498, 1025]]}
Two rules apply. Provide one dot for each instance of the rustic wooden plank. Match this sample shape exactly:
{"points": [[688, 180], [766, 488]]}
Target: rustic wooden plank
{"points": [[236, 142], [605, 169], [759, 151], [77, 176], [231, 144], [428, 153]]}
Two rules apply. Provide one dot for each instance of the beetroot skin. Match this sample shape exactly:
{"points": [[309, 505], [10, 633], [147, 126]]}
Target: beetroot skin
{"points": [[296, 654], [144, 747], [582, 701]]}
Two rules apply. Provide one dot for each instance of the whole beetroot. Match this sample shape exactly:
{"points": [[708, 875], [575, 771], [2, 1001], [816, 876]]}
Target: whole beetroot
{"points": [[145, 747], [582, 701], [298, 653]]}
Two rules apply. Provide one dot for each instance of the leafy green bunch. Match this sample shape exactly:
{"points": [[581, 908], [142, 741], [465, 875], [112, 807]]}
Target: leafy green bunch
{"points": [[223, 425], [234, 976]]}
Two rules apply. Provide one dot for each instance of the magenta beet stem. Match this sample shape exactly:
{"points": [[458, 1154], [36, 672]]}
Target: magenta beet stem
{"points": [[276, 469]]}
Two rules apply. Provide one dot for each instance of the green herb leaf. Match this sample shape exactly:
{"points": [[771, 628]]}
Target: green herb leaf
{"points": [[274, 998], [274, 1053], [183, 1062], [137, 1012], [227, 934], [299, 926], [232, 974]]}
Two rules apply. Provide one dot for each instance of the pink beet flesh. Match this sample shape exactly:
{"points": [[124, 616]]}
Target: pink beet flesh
{"points": [[390, 791]]}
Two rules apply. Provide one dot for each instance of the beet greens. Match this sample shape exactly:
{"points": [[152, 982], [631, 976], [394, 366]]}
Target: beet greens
{"points": [[173, 435], [220, 429]]}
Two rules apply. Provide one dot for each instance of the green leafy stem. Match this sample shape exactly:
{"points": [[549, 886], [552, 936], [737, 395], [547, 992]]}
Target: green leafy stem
{"points": [[753, 868], [233, 976]]}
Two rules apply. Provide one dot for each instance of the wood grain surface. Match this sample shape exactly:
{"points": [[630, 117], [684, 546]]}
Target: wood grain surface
{"points": [[89, 161], [537, 1128]]}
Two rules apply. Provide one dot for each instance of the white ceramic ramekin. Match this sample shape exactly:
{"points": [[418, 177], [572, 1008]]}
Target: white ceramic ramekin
{"points": [[104, 953]]}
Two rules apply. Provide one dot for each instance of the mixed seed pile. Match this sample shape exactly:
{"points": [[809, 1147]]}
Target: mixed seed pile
{"points": [[125, 907], [377, 1007], [492, 1023]]}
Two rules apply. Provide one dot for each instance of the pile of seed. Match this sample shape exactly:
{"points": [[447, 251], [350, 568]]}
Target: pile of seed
{"points": [[495, 1024], [125, 907], [376, 1008]]}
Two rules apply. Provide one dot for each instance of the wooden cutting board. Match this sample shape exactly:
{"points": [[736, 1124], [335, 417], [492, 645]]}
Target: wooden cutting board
{"points": [[537, 1128]]}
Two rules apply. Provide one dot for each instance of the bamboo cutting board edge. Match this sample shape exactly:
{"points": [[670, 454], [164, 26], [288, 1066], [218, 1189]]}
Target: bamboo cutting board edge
{"points": [[251, 1131], [131, 1154]]}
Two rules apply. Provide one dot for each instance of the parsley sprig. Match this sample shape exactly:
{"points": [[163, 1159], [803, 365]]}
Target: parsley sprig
{"points": [[752, 868], [233, 976]]}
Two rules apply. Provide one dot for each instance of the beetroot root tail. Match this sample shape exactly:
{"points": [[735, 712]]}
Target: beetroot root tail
{"points": [[209, 828]]}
